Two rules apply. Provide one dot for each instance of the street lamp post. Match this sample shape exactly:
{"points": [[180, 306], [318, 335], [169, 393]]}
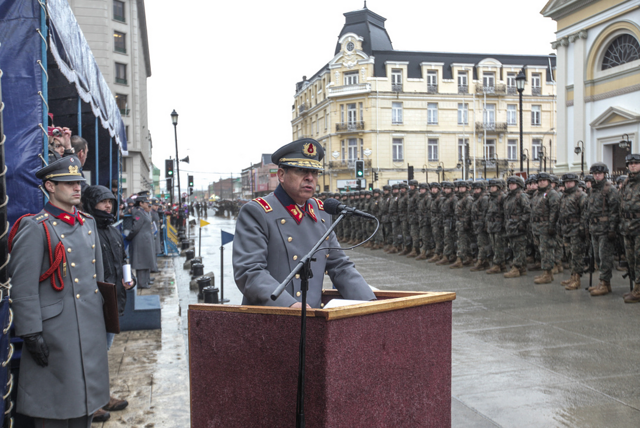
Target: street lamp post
{"points": [[484, 166], [520, 81], [174, 120], [580, 151], [496, 159], [526, 156], [440, 169], [425, 169]]}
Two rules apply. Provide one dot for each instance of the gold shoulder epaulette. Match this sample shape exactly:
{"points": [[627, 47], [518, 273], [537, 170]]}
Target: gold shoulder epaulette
{"points": [[264, 204], [320, 204], [85, 214]]}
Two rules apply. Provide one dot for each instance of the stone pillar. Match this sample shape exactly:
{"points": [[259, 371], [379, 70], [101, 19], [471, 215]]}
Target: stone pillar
{"points": [[563, 150], [579, 60]]}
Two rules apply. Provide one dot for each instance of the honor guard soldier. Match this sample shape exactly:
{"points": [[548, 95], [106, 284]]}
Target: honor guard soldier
{"points": [[273, 233], [478, 215], [517, 213], [424, 223], [403, 216], [544, 211], [463, 225], [396, 225], [437, 229], [495, 226], [447, 209], [55, 263], [630, 222], [572, 209]]}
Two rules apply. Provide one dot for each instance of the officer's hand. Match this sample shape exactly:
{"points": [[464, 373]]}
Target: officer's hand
{"points": [[298, 305], [37, 348], [612, 236], [552, 231]]}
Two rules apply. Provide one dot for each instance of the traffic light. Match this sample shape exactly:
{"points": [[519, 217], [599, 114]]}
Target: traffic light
{"points": [[359, 184], [191, 181], [168, 168], [190, 191], [169, 185], [410, 174], [375, 176], [359, 168]]}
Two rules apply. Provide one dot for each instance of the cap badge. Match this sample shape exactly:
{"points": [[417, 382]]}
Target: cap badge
{"points": [[70, 159], [73, 169], [309, 150]]}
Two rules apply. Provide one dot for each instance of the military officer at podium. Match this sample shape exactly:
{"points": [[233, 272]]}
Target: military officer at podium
{"points": [[273, 233], [55, 263]]}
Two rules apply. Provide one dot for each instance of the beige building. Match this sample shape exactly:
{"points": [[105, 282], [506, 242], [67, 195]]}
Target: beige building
{"points": [[453, 111], [598, 52], [116, 31]]}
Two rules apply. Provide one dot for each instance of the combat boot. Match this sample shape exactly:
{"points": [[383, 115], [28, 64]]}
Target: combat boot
{"points": [[523, 271], [604, 287], [567, 281], [413, 253], [574, 284], [536, 266], [385, 248], [430, 253], [467, 262], [530, 259], [407, 250], [444, 261], [513, 273], [545, 278], [435, 258], [423, 255], [555, 270], [494, 269], [392, 250], [479, 266], [457, 264], [634, 295], [503, 267]]}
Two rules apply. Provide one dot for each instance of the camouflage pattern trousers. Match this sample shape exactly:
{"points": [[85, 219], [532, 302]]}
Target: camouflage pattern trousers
{"points": [[415, 235], [387, 230], [426, 236], [603, 250], [464, 242], [497, 245], [438, 236], [632, 250], [484, 246], [397, 233], [547, 251], [406, 233], [518, 245], [536, 245], [575, 248], [449, 240]]}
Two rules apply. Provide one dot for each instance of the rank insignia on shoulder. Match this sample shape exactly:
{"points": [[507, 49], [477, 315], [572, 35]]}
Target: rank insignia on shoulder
{"points": [[320, 204], [85, 214], [264, 204]]}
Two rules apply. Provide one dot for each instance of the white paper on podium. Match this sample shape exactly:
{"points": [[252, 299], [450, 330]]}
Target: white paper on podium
{"points": [[336, 303]]}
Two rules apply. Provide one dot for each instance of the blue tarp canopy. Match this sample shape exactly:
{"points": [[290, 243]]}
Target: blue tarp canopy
{"points": [[60, 76]]}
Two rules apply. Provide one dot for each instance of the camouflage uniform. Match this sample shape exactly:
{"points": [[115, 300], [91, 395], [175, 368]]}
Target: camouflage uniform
{"points": [[570, 219], [403, 216], [478, 213], [495, 226], [376, 210], [384, 216], [544, 211], [447, 209], [436, 221], [602, 214], [630, 222], [424, 222], [463, 225], [517, 213], [396, 225], [412, 217]]}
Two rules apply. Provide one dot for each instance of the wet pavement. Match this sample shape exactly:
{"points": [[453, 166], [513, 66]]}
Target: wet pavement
{"points": [[524, 355]]}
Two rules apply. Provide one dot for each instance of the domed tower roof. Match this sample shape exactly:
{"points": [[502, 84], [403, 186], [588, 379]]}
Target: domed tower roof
{"points": [[369, 26]]}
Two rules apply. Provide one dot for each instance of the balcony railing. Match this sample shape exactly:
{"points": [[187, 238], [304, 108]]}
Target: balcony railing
{"points": [[121, 49], [121, 80], [463, 89], [360, 88], [500, 89], [350, 126], [396, 87], [536, 90], [491, 126], [125, 111], [432, 89], [347, 163], [302, 108], [512, 90]]}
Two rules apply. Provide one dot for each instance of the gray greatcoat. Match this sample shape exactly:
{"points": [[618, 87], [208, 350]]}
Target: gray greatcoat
{"points": [[155, 218], [76, 381], [143, 247], [271, 237]]}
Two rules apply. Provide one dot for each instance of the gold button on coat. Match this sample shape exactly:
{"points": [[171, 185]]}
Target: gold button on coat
{"points": [[68, 250], [283, 221], [93, 246], [77, 280], [55, 223], [297, 276], [322, 220], [77, 296], [73, 265], [62, 236], [295, 257], [94, 275], [322, 304], [298, 294], [89, 232], [289, 239], [96, 291], [93, 261]]}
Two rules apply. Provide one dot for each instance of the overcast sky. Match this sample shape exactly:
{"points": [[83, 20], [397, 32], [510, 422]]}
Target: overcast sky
{"points": [[229, 68]]}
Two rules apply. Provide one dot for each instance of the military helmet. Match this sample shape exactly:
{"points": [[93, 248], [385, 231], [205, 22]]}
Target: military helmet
{"points": [[570, 176], [377, 191], [386, 187], [436, 185], [621, 179], [413, 182], [514, 179], [544, 176], [554, 178], [423, 185], [368, 193], [588, 178], [582, 184], [599, 167], [336, 195], [632, 158], [447, 185], [345, 195], [395, 186], [534, 178], [495, 182], [403, 185], [462, 183], [480, 184]]}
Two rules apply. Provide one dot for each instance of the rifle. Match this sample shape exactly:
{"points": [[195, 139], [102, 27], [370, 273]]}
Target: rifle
{"points": [[590, 258], [630, 273]]}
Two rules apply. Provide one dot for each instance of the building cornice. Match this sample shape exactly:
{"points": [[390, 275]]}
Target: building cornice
{"points": [[142, 19]]}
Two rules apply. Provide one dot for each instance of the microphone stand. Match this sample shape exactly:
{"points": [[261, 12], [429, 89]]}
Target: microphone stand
{"points": [[304, 267]]}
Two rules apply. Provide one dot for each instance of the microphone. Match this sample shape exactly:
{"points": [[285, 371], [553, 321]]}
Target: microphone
{"points": [[334, 207]]}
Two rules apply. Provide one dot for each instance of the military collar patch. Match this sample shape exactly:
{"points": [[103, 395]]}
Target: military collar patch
{"points": [[311, 213], [64, 216], [264, 204], [320, 204], [292, 208]]}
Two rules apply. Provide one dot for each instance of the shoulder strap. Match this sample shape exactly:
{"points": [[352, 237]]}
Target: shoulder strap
{"points": [[15, 228]]}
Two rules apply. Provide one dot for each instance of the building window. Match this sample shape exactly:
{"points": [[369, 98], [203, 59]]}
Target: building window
{"points": [[512, 149], [361, 111], [622, 50], [490, 149], [342, 150], [536, 88], [119, 42], [126, 131], [352, 117], [489, 117], [432, 82], [463, 83], [353, 150], [433, 149], [463, 114], [396, 80], [463, 147], [512, 111], [121, 73], [351, 78], [118, 11], [317, 125], [341, 113], [432, 113], [396, 113], [398, 152], [511, 83], [122, 102], [535, 115], [536, 148], [326, 120], [489, 82]]}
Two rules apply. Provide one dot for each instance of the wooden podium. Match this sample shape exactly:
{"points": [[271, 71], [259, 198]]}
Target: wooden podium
{"points": [[385, 363]]}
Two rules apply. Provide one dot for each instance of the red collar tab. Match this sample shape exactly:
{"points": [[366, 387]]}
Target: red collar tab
{"points": [[320, 204], [62, 215], [310, 212], [295, 212]]}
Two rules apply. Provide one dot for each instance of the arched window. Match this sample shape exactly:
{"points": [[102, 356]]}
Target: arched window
{"points": [[621, 50]]}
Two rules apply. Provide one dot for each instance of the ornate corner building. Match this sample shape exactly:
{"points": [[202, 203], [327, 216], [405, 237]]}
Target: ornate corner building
{"points": [[448, 115], [598, 76]]}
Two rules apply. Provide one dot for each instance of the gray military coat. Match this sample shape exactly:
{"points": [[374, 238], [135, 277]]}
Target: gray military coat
{"points": [[272, 234], [155, 218], [143, 246], [76, 381]]}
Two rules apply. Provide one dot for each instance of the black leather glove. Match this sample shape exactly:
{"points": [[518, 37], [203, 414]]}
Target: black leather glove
{"points": [[37, 348], [552, 231], [612, 236]]}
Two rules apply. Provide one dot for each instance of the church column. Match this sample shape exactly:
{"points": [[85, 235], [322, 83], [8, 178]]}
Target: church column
{"points": [[579, 61], [564, 147]]}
